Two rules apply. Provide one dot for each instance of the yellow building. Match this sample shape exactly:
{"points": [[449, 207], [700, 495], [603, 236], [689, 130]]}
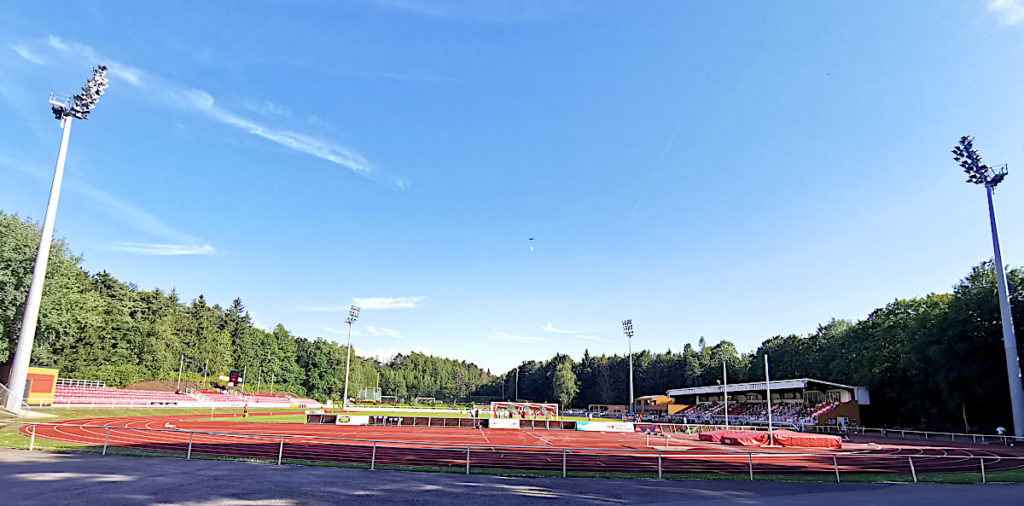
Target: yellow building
{"points": [[657, 405], [41, 386]]}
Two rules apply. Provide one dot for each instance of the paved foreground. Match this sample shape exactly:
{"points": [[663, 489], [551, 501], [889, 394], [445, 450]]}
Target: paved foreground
{"points": [[74, 478]]}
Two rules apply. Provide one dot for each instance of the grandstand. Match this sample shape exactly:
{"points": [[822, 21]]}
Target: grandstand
{"points": [[68, 395], [71, 393], [797, 402]]}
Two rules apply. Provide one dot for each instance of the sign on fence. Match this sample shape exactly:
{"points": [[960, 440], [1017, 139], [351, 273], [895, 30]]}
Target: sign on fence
{"points": [[605, 426], [503, 423]]}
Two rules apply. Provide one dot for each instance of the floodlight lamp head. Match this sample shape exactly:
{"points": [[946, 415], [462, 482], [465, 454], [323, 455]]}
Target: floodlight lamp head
{"points": [[353, 314], [970, 161]]}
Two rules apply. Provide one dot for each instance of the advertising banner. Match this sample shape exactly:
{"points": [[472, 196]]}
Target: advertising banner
{"points": [[649, 428], [503, 423], [605, 426], [353, 420]]}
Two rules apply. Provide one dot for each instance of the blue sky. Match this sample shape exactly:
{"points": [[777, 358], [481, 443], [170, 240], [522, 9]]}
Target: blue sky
{"points": [[727, 170]]}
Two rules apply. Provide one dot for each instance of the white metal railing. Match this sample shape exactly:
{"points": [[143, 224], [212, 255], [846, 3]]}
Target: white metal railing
{"points": [[1004, 439], [636, 461], [67, 382]]}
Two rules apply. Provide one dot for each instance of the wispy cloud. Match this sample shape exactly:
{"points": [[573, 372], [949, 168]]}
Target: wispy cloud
{"points": [[25, 53], [593, 338], [176, 242], [388, 302], [200, 101], [579, 334], [512, 338], [550, 327], [1009, 12], [342, 332], [384, 332], [368, 303], [163, 249], [492, 11]]}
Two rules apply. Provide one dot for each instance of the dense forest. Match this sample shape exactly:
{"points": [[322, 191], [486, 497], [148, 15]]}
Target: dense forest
{"points": [[934, 362]]}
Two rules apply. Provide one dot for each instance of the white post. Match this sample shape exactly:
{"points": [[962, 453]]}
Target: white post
{"points": [[517, 383], [631, 407], [1009, 338], [725, 390], [180, 366], [30, 318], [348, 358], [259, 380], [206, 367], [272, 378], [768, 386]]}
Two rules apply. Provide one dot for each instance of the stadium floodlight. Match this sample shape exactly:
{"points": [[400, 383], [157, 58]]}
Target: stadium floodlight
{"points": [[627, 328], [979, 173], [353, 315], [64, 109]]}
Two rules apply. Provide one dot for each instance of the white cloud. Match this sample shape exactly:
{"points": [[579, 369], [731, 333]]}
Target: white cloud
{"points": [[1009, 12], [592, 338], [368, 303], [388, 302], [384, 332], [266, 107], [503, 336], [343, 332], [203, 102], [550, 327], [163, 249], [177, 242], [25, 53], [57, 43]]}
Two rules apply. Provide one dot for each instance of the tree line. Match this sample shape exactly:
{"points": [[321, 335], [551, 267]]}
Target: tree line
{"points": [[93, 326], [935, 361]]}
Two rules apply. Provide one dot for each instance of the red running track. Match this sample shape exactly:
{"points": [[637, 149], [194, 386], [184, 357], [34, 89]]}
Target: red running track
{"points": [[510, 449]]}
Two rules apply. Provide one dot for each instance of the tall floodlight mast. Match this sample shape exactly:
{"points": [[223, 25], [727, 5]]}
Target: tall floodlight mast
{"points": [[979, 173], [64, 109], [627, 328], [353, 315]]}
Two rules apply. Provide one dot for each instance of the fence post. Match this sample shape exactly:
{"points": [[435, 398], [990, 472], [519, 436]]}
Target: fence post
{"points": [[563, 462], [983, 479], [659, 464], [750, 460], [913, 472], [373, 456], [105, 439], [280, 451], [188, 456], [32, 440], [835, 462], [467, 459]]}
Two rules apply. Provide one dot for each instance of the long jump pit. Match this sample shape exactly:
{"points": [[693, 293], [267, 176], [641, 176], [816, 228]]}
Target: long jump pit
{"points": [[534, 451]]}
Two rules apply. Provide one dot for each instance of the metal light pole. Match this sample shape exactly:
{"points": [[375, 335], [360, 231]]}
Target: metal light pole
{"points": [[79, 107], [768, 386], [979, 173], [181, 365], [517, 384], [353, 315], [627, 328], [725, 390]]}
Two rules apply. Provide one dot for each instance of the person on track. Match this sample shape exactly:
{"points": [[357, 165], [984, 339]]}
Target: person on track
{"points": [[245, 410]]}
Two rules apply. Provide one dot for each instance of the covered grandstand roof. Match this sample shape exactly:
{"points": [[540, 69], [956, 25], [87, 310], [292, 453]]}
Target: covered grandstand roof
{"points": [[860, 393]]}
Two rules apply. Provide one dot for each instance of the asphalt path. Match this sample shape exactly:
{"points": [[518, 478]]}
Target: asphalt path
{"points": [[78, 478]]}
